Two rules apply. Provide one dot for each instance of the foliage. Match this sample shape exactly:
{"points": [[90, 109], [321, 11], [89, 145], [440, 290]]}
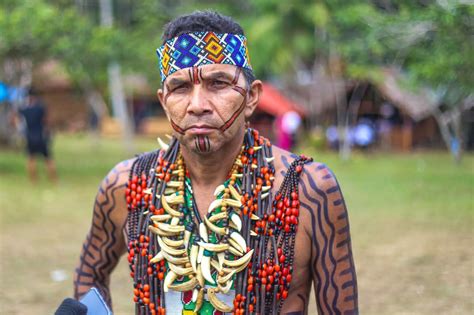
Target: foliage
{"points": [[430, 40], [37, 30]]}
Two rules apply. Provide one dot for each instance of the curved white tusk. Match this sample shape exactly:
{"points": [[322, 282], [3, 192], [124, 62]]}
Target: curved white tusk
{"points": [[225, 289], [218, 190], [220, 259], [234, 193], [158, 257], [235, 218], [233, 203], [193, 256], [239, 262], [240, 240], [162, 144], [203, 232], [216, 203], [215, 228], [266, 188], [206, 268], [169, 279]]}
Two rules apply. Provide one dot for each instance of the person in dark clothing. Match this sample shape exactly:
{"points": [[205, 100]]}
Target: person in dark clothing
{"points": [[37, 135]]}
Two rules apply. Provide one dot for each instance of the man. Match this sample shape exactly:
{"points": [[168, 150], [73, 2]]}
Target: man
{"points": [[37, 135], [219, 220]]}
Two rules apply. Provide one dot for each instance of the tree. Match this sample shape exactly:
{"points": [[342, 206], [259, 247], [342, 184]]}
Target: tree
{"points": [[429, 41], [35, 31]]}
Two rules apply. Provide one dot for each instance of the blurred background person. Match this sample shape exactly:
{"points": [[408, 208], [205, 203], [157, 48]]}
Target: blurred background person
{"points": [[37, 135], [286, 128]]}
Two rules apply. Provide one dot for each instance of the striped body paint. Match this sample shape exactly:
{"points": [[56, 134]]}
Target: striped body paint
{"points": [[332, 264]]}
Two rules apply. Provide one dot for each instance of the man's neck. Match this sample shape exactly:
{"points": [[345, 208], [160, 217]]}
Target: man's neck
{"points": [[211, 170]]}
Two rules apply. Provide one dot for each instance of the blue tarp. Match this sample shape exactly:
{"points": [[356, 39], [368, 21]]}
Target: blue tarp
{"points": [[11, 93], [3, 92]]}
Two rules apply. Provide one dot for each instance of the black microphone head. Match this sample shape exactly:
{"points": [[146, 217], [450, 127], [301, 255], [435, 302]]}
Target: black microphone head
{"points": [[71, 307]]}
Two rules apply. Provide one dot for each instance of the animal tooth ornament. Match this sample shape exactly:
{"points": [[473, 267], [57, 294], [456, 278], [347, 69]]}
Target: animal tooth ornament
{"points": [[182, 261], [218, 304], [162, 144]]}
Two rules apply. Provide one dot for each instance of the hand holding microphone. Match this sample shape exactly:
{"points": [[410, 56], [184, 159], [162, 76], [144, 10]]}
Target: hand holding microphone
{"points": [[71, 307], [90, 304]]}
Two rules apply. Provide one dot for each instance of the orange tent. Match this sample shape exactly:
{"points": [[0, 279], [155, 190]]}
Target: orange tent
{"points": [[273, 102]]}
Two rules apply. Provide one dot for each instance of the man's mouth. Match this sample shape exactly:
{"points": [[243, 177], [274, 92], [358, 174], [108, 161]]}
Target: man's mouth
{"points": [[200, 129]]}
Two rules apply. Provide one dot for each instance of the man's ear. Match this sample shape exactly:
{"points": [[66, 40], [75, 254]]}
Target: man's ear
{"points": [[253, 97], [161, 98]]}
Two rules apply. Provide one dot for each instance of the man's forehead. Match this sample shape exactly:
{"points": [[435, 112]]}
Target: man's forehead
{"points": [[205, 71]]}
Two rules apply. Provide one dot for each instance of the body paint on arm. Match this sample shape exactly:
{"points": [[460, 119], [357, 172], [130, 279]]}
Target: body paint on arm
{"points": [[104, 244], [332, 263]]}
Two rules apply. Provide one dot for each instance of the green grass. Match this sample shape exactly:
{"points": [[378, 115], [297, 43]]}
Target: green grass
{"points": [[411, 220], [424, 186]]}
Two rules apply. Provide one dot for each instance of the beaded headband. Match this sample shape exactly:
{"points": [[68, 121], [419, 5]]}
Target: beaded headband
{"points": [[202, 48]]}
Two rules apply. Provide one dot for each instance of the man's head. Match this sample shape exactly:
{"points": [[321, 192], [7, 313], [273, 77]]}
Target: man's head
{"points": [[32, 95], [207, 104]]}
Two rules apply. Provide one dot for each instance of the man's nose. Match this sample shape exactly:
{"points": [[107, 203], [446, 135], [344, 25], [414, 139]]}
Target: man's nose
{"points": [[199, 103]]}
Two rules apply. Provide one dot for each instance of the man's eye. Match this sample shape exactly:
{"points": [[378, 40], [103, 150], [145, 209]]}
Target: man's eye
{"points": [[218, 83], [180, 88]]}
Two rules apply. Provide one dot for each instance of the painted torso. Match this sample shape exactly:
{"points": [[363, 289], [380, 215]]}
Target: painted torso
{"points": [[264, 284], [322, 245]]}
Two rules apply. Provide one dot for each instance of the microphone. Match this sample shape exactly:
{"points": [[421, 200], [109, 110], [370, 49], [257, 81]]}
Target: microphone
{"points": [[71, 307], [92, 303]]}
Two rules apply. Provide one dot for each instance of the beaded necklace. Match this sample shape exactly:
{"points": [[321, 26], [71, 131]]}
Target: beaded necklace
{"points": [[245, 244]]}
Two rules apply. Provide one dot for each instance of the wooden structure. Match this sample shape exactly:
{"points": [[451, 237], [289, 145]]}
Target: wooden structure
{"points": [[67, 109], [411, 124]]}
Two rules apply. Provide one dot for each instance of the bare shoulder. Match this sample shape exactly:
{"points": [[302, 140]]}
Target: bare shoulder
{"points": [[110, 203], [118, 175], [318, 187], [315, 173]]}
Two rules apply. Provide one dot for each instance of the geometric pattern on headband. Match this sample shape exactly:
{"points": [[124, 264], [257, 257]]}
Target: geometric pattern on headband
{"points": [[202, 48]]}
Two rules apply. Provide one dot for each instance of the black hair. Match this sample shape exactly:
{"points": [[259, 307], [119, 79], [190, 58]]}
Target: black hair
{"points": [[31, 91], [205, 21]]}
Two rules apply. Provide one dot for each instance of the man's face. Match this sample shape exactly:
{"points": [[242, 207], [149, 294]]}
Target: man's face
{"points": [[207, 105]]}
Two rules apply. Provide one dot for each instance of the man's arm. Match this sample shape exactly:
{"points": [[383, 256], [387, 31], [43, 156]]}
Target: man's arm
{"points": [[332, 264], [105, 241]]}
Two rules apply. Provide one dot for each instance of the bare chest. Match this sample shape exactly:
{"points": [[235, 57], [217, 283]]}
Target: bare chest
{"points": [[203, 197]]}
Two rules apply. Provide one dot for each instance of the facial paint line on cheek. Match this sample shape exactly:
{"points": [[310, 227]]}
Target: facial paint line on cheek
{"points": [[234, 116], [240, 90], [235, 87], [176, 128]]}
